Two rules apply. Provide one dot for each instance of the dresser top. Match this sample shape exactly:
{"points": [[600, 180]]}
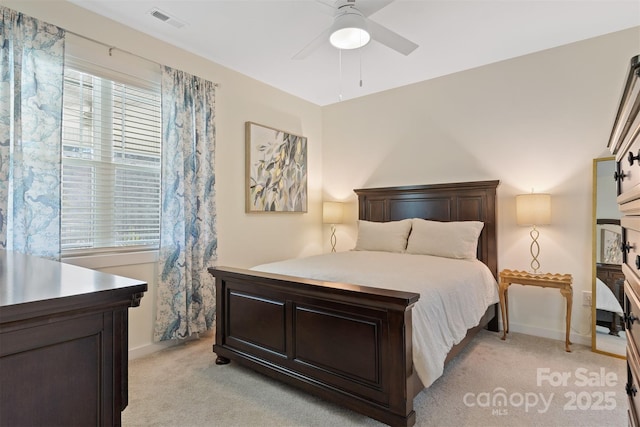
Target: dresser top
{"points": [[28, 279]]}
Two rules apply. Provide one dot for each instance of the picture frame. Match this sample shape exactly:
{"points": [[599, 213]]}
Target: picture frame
{"points": [[610, 241], [276, 170]]}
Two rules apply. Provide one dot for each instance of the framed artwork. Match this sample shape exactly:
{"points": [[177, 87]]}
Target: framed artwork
{"points": [[610, 252], [276, 170]]}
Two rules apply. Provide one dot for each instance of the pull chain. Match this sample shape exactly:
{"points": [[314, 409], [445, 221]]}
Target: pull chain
{"points": [[340, 77], [360, 66], [340, 71]]}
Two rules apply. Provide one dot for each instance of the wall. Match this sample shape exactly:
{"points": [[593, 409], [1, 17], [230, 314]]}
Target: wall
{"points": [[606, 187], [243, 239], [533, 122]]}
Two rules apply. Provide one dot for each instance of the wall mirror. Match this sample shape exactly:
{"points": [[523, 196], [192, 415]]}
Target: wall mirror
{"points": [[608, 334]]}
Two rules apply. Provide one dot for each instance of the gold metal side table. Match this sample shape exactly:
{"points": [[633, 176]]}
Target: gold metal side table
{"points": [[544, 280]]}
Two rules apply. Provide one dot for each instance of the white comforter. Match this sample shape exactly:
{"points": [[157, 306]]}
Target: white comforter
{"points": [[605, 298], [454, 294]]}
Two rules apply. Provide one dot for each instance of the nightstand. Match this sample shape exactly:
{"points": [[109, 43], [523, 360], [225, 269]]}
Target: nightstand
{"points": [[544, 280]]}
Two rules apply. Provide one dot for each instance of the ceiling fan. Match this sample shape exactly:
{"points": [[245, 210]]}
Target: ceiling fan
{"points": [[352, 29]]}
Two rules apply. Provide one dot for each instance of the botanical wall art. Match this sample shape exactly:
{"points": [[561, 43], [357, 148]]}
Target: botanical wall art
{"points": [[276, 170], [610, 252]]}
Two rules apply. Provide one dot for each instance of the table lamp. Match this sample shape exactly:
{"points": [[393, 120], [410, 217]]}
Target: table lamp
{"points": [[533, 209], [332, 213]]}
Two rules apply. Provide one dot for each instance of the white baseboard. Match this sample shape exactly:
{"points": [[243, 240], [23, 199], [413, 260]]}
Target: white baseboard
{"points": [[145, 350], [553, 334], [576, 338]]}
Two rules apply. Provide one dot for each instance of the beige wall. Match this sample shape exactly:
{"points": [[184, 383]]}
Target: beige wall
{"points": [[243, 240], [532, 122]]}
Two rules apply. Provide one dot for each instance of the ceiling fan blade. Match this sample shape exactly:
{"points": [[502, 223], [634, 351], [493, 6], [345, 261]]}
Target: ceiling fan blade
{"points": [[390, 39], [368, 7], [371, 6], [314, 44], [329, 6]]}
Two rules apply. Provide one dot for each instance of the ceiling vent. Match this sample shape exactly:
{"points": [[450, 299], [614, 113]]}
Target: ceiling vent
{"points": [[165, 17]]}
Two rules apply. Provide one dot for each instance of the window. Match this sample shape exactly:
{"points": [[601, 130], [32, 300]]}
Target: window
{"points": [[111, 152]]}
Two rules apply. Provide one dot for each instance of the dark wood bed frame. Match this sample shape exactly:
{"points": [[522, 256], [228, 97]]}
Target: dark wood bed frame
{"points": [[346, 343]]}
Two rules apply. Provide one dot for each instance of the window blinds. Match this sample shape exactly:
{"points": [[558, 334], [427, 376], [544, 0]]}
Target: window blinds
{"points": [[111, 152]]}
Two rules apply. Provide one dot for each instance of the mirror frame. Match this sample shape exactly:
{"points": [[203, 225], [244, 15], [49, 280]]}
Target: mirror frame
{"points": [[594, 200]]}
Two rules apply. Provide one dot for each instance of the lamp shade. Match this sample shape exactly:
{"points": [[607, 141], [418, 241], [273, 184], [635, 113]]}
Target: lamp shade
{"points": [[349, 30], [533, 209], [332, 212]]}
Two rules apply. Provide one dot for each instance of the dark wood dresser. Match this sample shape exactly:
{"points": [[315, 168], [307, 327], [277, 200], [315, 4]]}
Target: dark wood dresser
{"points": [[63, 343], [624, 143]]}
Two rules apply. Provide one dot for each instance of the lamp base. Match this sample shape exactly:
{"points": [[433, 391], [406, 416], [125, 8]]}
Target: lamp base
{"points": [[534, 249], [333, 238]]}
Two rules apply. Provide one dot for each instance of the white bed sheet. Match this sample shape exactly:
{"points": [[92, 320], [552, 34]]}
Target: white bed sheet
{"points": [[605, 299], [454, 294]]}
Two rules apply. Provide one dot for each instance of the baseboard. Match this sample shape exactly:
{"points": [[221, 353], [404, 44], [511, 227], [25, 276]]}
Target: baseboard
{"points": [[145, 350], [575, 337]]}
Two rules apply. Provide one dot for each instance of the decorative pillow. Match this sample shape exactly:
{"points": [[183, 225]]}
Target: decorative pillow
{"points": [[455, 239], [383, 236]]}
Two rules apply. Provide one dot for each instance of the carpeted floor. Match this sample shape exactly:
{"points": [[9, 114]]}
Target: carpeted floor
{"points": [[543, 386]]}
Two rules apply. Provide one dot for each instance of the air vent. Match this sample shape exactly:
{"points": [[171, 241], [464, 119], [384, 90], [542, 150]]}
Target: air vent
{"points": [[161, 16], [165, 17]]}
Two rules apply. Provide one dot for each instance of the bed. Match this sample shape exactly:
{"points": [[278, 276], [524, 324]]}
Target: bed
{"points": [[345, 342], [609, 294]]}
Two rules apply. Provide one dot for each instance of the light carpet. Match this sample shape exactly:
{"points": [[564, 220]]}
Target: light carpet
{"points": [[542, 385]]}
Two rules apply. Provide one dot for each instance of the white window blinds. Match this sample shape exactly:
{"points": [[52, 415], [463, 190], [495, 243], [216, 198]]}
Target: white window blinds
{"points": [[111, 148]]}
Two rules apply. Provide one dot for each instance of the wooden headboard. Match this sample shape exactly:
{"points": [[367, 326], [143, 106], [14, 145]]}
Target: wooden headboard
{"points": [[462, 201]]}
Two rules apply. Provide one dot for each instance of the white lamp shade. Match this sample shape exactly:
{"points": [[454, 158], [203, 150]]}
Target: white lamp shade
{"points": [[349, 30], [533, 209], [332, 212]]}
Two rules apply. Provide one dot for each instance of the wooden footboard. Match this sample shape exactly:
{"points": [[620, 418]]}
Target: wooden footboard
{"points": [[345, 343]]}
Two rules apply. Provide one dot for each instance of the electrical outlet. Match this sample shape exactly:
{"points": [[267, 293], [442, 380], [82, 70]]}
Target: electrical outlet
{"points": [[586, 298]]}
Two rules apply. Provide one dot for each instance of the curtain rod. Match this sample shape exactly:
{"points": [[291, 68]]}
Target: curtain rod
{"points": [[112, 48]]}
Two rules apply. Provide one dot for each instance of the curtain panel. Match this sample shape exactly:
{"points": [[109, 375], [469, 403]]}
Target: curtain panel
{"points": [[31, 82], [188, 241], [31, 89]]}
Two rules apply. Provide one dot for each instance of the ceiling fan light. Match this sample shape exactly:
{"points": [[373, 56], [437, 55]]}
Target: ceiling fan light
{"points": [[349, 31]]}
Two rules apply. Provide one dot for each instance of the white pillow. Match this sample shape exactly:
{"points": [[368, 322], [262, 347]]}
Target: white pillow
{"points": [[455, 239], [383, 236]]}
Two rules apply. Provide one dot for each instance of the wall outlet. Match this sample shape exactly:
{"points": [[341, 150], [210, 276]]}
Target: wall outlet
{"points": [[586, 298]]}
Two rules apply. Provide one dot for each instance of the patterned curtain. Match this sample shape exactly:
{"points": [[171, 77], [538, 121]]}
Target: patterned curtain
{"points": [[188, 241], [31, 84]]}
